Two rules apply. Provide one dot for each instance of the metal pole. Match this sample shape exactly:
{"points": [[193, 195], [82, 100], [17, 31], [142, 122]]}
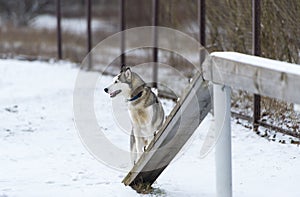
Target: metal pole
{"points": [[122, 28], [222, 104], [201, 20], [58, 30], [155, 15], [89, 32], [256, 45]]}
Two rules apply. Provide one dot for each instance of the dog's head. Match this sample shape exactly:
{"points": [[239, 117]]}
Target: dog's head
{"points": [[121, 83]]}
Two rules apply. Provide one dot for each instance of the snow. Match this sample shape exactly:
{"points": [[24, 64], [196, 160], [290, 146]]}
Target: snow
{"points": [[71, 25], [260, 62], [41, 153], [297, 108]]}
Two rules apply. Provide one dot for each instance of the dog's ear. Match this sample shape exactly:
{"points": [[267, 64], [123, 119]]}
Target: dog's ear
{"points": [[128, 74], [123, 68]]}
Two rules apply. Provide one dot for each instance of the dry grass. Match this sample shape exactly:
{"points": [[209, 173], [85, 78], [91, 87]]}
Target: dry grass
{"points": [[274, 112], [26, 41], [143, 188], [15, 41]]}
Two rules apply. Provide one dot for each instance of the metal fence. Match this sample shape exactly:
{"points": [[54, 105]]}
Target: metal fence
{"points": [[256, 47]]}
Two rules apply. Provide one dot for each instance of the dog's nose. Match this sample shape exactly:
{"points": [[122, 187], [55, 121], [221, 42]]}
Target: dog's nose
{"points": [[106, 90]]}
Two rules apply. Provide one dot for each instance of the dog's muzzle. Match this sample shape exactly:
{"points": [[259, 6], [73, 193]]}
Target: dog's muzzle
{"points": [[112, 94]]}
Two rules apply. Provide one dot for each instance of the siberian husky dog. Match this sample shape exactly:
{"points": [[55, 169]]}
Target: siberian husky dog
{"points": [[145, 110]]}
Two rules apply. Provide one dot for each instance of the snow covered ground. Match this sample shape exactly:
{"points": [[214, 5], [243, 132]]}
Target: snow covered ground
{"points": [[41, 153]]}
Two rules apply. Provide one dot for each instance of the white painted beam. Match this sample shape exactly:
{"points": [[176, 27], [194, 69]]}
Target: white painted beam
{"points": [[254, 74]]}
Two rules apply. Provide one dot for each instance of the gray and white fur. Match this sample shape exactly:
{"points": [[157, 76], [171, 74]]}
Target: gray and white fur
{"points": [[145, 109]]}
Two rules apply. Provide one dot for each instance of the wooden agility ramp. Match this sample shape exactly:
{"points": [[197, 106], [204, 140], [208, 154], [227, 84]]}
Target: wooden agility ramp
{"points": [[179, 126]]}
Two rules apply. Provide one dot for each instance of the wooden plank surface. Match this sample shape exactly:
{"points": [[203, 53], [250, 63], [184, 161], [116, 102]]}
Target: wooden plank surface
{"points": [[186, 116], [257, 75]]}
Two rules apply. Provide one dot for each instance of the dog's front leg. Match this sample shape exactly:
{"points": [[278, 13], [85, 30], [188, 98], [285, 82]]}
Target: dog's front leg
{"points": [[147, 139], [139, 146], [139, 140], [133, 149]]}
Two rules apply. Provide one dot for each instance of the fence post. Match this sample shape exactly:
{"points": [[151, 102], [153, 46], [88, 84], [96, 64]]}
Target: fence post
{"points": [[58, 29], [89, 32], [155, 15], [201, 21], [222, 114], [256, 45], [122, 28], [202, 27]]}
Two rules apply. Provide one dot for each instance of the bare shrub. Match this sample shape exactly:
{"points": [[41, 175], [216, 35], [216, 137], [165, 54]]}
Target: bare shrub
{"points": [[20, 12]]}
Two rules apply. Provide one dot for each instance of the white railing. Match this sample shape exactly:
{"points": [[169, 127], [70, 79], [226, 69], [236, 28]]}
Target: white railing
{"points": [[258, 75]]}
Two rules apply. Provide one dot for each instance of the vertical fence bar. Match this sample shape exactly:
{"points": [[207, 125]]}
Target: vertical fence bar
{"points": [[89, 32], [58, 29], [256, 45], [155, 15], [222, 114], [202, 28], [122, 28], [201, 20]]}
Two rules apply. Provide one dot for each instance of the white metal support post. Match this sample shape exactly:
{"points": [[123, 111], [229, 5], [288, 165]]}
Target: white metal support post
{"points": [[222, 116]]}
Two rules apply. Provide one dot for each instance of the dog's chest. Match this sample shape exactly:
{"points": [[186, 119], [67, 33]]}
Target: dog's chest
{"points": [[141, 116]]}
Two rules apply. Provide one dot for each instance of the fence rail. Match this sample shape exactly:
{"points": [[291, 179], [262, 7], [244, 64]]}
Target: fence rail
{"points": [[257, 75]]}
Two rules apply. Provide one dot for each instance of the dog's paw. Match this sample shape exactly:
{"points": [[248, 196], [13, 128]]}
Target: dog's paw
{"points": [[145, 148]]}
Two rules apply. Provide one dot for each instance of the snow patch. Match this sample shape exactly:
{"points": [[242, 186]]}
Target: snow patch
{"points": [[71, 25], [41, 153]]}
